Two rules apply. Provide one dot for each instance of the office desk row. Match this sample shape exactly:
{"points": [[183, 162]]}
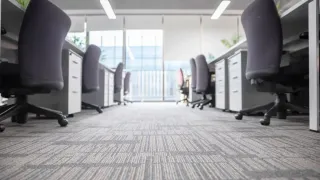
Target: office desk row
{"points": [[301, 17], [69, 99]]}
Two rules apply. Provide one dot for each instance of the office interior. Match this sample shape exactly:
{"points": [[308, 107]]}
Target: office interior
{"points": [[170, 89]]}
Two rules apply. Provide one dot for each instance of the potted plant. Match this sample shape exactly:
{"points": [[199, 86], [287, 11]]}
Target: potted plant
{"points": [[234, 40]]}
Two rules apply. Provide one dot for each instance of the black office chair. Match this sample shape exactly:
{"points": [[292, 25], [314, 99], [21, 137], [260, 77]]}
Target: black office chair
{"points": [[118, 80], [42, 35], [126, 88], [194, 82], [204, 85], [90, 74], [262, 26], [184, 90]]}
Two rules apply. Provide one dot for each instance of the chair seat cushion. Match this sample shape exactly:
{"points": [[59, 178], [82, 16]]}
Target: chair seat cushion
{"points": [[290, 76], [10, 83]]}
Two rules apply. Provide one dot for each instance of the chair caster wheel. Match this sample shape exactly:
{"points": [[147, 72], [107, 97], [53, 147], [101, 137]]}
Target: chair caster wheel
{"points": [[201, 107], [70, 116], [295, 113], [2, 127], [100, 111], [119, 103], [198, 105], [282, 115], [265, 121], [238, 116], [63, 122], [14, 119], [260, 114], [20, 118], [177, 103], [187, 105], [193, 106]]}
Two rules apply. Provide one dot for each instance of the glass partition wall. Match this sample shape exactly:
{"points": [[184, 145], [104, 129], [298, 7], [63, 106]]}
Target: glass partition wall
{"points": [[154, 48], [111, 44], [144, 61]]}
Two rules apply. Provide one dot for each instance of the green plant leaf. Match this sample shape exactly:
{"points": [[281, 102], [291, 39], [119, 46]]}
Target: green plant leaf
{"points": [[234, 40], [23, 3], [226, 43]]}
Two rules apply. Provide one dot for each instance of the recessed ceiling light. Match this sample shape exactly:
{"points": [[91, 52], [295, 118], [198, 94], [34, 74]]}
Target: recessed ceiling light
{"points": [[108, 9], [221, 8]]}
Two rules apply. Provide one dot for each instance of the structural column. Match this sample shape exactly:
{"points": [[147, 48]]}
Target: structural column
{"points": [[314, 65]]}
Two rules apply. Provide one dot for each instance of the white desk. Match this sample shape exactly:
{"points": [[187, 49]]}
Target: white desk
{"points": [[303, 16], [12, 15]]}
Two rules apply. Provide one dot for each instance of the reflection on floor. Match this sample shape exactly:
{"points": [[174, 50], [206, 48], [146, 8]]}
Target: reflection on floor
{"points": [[159, 141]]}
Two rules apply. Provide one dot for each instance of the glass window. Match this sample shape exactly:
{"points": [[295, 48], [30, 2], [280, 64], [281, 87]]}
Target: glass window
{"points": [[78, 38], [144, 60], [111, 44]]}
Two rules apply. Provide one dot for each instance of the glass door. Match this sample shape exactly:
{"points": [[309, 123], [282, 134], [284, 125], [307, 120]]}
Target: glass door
{"points": [[144, 61]]}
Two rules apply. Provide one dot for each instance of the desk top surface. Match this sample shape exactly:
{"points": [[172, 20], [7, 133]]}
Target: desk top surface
{"points": [[294, 21], [11, 18]]}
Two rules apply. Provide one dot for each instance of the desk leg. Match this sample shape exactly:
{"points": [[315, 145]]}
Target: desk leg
{"points": [[314, 65]]}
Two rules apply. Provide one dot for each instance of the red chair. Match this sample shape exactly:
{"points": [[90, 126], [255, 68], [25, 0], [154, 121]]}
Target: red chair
{"points": [[182, 87]]}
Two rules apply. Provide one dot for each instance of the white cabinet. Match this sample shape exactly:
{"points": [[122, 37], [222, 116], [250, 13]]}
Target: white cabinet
{"points": [[111, 89], [68, 100], [242, 94], [222, 97]]}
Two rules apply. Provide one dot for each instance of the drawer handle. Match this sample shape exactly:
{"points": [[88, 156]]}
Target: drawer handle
{"points": [[235, 91], [219, 68], [74, 92], [220, 80], [74, 77], [234, 63], [235, 77], [75, 62]]}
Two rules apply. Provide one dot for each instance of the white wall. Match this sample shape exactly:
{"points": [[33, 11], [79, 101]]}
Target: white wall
{"points": [[188, 36], [213, 31], [184, 37]]}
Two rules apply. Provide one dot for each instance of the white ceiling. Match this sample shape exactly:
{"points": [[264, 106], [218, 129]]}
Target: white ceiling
{"points": [[158, 5]]}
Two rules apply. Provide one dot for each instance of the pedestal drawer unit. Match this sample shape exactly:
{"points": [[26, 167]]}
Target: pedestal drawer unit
{"points": [[242, 94], [101, 97], [111, 89], [68, 100], [222, 97]]}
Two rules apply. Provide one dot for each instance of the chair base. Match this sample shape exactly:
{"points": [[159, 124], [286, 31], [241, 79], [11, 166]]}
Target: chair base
{"points": [[19, 112], [186, 99], [203, 102], [279, 107], [125, 101], [91, 106]]}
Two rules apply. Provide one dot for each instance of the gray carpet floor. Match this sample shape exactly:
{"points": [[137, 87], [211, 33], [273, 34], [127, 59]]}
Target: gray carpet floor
{"points": [[155, 141]]}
